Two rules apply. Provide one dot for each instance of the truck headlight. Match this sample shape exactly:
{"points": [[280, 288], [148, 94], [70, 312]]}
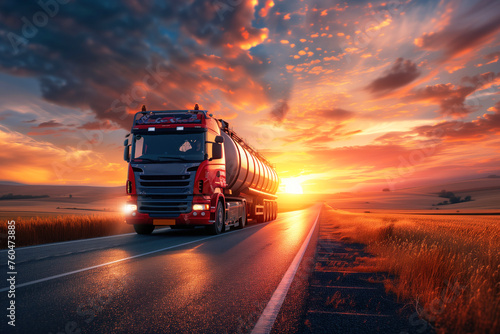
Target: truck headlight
{"points": [[201, 207], [129, 208]]}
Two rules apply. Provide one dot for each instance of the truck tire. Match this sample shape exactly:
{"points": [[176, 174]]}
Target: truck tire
{"points": [[143, 228], [260, 218], [243, 219], [264, 213], [267, 212], [218, 226]]}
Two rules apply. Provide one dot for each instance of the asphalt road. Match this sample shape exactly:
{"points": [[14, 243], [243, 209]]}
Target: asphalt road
{"points": [[174, 281]]}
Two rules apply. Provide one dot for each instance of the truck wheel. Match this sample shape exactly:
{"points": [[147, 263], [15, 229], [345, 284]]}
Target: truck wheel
{"points": [[264, 215], [260, 218], [243, 219], [144, 228], [218, 225], [267, 212]]}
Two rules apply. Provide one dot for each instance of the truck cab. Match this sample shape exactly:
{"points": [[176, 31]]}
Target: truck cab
{"points": [[177, 173]]}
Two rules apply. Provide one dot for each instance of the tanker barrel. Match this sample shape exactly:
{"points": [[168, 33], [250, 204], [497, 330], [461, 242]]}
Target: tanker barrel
{"points": [[245, 169]]}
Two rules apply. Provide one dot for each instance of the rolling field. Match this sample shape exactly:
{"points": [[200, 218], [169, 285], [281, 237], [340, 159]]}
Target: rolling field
{"points": [[61, 201]]}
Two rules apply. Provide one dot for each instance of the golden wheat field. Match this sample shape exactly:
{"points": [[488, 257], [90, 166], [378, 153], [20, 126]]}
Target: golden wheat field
{"points": [[40, 230], [448, 267]]}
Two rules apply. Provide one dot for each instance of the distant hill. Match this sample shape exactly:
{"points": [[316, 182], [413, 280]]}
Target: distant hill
{"points": [[484, 194], [11, 183], [35, 200]]}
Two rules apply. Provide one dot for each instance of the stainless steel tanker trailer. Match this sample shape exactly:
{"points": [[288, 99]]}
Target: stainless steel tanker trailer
{"points": [[187, 168]]}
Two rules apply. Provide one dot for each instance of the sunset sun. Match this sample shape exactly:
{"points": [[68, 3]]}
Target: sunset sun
{"points": [[292, 186]]}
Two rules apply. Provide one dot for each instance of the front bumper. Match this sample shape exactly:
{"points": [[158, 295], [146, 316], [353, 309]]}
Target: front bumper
{"points": [[193, 218]]}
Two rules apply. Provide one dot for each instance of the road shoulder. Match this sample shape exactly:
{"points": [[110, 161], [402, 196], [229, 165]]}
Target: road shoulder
{"points": [[347, 295]]}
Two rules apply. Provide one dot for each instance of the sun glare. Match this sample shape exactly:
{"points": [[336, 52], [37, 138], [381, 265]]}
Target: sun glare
{"points": [[292, 186]]}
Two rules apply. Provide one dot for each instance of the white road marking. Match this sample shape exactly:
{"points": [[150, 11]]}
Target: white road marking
{"points": [[134, 257], [268, 316]]}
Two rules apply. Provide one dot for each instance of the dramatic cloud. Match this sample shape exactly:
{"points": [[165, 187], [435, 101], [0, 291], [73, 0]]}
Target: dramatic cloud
{"points": [[485, 127], [49, 124], [452, 98], [492, 57], [112, 58], [477, 129], [465, 33], [279, 112], [481, 80], [265, 10], [401, 73], [335, 114]]}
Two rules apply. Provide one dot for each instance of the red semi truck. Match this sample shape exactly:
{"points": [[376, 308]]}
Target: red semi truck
{"points": [[187, 168]]}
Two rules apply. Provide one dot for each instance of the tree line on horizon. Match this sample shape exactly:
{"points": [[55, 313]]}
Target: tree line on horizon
{"points": [[12, 196]]}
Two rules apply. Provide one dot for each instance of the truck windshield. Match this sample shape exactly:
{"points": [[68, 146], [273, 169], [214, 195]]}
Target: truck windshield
{"points": [[169, 147]]}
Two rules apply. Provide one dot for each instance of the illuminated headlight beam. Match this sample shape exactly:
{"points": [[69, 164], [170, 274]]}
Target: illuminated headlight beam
{"points": [[201, 207], [129, 208]]}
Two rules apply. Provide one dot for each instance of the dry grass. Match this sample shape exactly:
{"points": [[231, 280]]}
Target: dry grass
{"points": [[40, 230], [449, 266]]}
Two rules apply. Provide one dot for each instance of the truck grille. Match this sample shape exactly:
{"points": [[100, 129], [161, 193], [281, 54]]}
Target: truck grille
{"points": [[164, 195], [164, 184]]}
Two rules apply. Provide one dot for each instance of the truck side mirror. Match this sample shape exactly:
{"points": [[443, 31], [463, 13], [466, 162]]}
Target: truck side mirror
{"points": [[126, 151], [216, 151], [219, 139]]}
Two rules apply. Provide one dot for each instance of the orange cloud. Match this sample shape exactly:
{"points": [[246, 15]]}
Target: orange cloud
{"points": [[49, 124], [382, 24], [452, 98], [459, 40], [477, 129], [265, 10], [249, 41]]}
